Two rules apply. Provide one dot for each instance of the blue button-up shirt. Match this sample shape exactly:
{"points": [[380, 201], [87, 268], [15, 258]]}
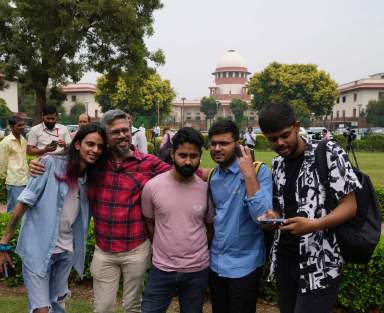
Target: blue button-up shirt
{"points": [[44, 195], [237, 247]]}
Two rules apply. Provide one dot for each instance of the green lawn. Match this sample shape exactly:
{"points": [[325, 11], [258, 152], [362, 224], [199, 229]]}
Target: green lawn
{"points": [[19, 304], [372, 163]]}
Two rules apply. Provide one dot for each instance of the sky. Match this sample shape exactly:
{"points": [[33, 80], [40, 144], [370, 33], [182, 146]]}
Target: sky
{"points": [[343, 37]]}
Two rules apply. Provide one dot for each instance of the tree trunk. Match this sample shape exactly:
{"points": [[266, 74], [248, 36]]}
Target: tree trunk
{"points": [[41, 101]]}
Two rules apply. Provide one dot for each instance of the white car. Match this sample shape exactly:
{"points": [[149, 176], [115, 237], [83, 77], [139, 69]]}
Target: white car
{"points": [[303, 133]]}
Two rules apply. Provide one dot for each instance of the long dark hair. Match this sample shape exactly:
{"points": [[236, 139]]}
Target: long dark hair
{"points": [[73, 171]]}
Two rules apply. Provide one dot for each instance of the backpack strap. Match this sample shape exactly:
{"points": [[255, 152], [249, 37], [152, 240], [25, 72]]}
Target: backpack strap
{"points": [[321, 163], [323, 171], [136, 131]]}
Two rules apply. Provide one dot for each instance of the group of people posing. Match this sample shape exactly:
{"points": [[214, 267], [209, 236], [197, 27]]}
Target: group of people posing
{"points": [[200, 227]]}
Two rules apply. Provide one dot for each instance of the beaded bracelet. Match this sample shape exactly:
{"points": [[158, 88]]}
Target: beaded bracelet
{"points": [[5, 248]]}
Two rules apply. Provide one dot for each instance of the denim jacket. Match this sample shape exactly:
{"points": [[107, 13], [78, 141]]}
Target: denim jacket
{"points": [[44, 195]]}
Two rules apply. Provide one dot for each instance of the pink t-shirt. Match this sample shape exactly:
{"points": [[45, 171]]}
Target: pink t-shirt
{"points": [[180, 210]]}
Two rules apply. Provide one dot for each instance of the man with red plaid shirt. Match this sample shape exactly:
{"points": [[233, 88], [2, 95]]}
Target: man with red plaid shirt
{"points": [[122, 245]]}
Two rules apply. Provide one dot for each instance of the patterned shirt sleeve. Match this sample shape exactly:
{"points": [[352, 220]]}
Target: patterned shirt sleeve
{"points": [[342, 178]]}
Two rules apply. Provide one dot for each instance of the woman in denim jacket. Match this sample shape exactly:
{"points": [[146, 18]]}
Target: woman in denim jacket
{"points": [[54, 231]]}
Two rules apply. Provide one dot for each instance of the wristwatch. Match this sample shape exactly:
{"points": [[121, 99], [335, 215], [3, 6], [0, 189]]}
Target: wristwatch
{"points": [[5, 247]]}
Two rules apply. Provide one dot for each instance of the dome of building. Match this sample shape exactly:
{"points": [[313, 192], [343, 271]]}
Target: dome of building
{"points": [[231, 59]]}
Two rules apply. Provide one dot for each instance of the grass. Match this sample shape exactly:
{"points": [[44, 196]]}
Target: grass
{"points": [[372, 163], [19, 304]]}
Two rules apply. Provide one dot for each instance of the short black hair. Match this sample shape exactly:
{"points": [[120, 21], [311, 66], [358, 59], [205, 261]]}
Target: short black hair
{"points": [[223, 127], [49, 109], [275, 117], [187, 135], [14, 120]]}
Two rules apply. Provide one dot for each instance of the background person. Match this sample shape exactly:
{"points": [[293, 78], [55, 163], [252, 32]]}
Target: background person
{"points": [[48, 136], [53, 236], [166, 146], [13, 161], [306, 258], [139, 139], [250, 138]]}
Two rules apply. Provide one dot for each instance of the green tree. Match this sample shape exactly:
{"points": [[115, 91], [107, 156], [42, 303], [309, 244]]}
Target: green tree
{"points": [[209, 107], [141, 96], [238, 107], [53, 41], [77, 109], [301, 111], [292, 82], [5, 113], [375, 113]]}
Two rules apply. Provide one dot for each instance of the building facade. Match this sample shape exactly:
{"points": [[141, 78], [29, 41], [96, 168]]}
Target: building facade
{"points": [[10, 94], [230, 82], [82, 93], [354, 97]]}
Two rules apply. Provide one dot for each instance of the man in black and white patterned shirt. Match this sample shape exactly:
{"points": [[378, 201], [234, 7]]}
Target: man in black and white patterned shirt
{"points": [[305, 256]]}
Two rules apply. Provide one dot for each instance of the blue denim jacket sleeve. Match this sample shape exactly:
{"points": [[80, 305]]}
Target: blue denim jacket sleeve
{"points": [[261, 201], [36, 185]]}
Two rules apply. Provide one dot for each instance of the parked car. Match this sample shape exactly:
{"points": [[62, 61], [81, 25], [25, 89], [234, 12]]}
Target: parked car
{"points": [[317, 133], [375, 131], [72, 129], [303, 133]]}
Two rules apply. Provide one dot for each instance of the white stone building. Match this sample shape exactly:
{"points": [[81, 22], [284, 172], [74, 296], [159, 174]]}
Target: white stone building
{"points": [[84, 93], [354, 97]]}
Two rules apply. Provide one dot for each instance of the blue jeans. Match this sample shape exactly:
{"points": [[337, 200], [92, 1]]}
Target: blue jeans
{"points": [[13, 192], [162, 286], [49, 291]]}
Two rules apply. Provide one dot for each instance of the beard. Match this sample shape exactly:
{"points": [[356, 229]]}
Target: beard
{"points": [[50, 126], [186, 170]]}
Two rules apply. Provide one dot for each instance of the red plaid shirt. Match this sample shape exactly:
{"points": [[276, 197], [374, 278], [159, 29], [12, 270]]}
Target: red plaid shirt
{"points": [[119, 225]]}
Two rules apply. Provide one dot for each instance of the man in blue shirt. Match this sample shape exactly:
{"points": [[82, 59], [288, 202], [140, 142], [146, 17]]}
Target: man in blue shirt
{"points": [[240, 197]]}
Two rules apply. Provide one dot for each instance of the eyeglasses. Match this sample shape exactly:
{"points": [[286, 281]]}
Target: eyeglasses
{"points": [[213, 144], [117, 132]]}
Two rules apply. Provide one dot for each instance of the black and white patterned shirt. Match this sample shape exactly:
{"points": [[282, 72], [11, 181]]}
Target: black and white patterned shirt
{"points": [[320, 258]]}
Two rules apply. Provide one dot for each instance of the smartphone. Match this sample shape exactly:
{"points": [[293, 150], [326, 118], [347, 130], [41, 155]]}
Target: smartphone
{"points": [[238, 152], [53, 143], [272, 220], [7, 271]]}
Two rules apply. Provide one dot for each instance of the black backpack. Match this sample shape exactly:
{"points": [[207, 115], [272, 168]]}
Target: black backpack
{"points": [[359, 236]]}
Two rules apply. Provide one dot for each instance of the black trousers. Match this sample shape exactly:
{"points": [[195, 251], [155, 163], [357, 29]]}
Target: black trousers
{"points": [[289, 297], [234, 295]]}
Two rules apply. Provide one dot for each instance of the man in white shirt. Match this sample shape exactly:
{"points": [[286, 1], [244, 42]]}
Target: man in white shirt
{"points": [[250, 138], [48, 136], [139, 140]]}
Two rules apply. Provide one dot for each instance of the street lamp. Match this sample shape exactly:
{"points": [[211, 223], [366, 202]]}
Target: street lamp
{"points": [[182, 113]]}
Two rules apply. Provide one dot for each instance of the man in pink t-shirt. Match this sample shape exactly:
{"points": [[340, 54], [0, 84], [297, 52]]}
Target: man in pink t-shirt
{"points": [[179, 220]]}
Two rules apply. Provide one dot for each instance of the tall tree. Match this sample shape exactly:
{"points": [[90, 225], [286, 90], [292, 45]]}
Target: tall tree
{"points": [[48, 41], [209, 107], [293, 82], [5, 113], [141, 96], [238, 107], [375, 113]]}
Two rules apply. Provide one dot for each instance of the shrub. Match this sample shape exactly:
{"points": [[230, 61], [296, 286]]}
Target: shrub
{"points": [[262, 143], [3, 192], [374, 143], [361, 288], [151, 147]]}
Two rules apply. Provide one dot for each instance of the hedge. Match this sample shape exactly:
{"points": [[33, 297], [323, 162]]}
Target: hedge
{"points": [[373, 143], [362, 286]]}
